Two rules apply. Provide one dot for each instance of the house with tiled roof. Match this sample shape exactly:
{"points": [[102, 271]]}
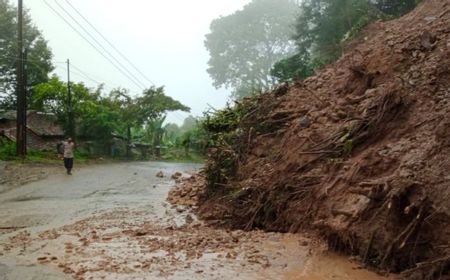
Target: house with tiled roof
{"points": [[43, 132]]}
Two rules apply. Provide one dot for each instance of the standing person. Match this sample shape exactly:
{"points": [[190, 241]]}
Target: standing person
{"points": [[69, 146]]}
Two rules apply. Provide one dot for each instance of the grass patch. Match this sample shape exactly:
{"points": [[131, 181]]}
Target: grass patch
{"points": [[7, 150]]}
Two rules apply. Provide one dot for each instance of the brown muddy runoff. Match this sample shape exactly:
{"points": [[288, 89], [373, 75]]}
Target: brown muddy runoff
{"points": [[113, 222]]}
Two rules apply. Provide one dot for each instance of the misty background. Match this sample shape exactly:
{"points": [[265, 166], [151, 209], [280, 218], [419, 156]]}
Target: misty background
{"points": [[163, 39]]}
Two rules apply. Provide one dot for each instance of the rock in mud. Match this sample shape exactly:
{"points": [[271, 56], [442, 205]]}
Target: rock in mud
{"points": [[176, 175]]}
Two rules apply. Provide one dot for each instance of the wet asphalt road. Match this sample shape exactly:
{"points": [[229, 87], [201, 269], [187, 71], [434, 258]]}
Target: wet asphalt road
{"points": [[62, 199], [112, 222]]}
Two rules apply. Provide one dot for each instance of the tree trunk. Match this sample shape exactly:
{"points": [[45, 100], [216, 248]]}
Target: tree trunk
{"points": [[157, 144], [128, 141]]}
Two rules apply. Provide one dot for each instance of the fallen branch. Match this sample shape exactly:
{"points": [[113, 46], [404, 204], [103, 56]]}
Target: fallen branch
{"points": [[422, 265]]}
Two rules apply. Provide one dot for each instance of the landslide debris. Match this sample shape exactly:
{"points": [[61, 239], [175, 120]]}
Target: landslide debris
{"points": [[110, 245], [188, 191], [360, 152]]}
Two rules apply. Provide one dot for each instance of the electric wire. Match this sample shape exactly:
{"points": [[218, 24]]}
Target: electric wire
{"points": [[80, 73], [109, 42], [92, 45], [100, 44], [90, 77], [77, 71]]}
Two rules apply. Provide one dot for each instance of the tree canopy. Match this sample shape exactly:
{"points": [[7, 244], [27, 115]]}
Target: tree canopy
{"points": [[153, 104], [93, 116], [39, 63], [244, 45], [97, 115], [323, 27]]}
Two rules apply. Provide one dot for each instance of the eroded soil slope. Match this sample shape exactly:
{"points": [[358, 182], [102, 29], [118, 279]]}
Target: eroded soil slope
{"points": [[360, 152]]}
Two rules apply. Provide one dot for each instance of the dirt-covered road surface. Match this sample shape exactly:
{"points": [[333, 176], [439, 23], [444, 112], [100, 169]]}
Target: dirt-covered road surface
{"points": [[113, 222]]}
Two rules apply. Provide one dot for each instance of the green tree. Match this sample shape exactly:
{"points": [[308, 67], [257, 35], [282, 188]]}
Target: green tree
{"points": [[99, 120], [293, 68], [95, 116], [153, 104], [52, 97], [155, 132], [39, 63], [323, 26], [172, 131], [244, 45], [137, 111], [189, 123], [128, 109]]}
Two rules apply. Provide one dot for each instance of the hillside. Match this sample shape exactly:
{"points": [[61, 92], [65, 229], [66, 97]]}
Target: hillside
{"points": [[359, 152]]}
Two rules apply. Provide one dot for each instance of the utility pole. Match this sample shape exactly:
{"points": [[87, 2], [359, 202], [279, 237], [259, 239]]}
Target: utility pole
{"points": [[21, 129], [71, 127], [25, 99]]}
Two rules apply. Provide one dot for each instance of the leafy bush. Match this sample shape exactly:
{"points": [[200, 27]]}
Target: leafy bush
{"points": [[7, 150]]}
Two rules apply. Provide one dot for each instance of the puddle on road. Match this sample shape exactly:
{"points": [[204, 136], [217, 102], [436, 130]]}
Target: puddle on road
{"points": [[305, 259], [326, 265]]}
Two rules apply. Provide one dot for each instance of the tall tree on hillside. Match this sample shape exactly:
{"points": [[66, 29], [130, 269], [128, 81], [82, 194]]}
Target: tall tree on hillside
{"points": [[39, 63], [323, 28], [323, 25], [396, 7], [244, 45]]}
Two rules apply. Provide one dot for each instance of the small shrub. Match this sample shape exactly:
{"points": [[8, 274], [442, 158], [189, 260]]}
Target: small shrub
{"points": [[7, 150]]}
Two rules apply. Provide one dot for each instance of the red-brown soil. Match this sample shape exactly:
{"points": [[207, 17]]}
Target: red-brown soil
{"points": [[359, 153]]}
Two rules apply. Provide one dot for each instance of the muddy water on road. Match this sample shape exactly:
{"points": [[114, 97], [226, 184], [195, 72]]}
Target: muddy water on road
{"points": [[112, 222]]}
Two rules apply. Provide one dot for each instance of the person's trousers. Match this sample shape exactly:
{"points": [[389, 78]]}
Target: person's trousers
{"points": [[68, 163]]}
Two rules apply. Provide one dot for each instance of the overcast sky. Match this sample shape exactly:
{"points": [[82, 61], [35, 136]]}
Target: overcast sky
{"points": [[162, 38]]}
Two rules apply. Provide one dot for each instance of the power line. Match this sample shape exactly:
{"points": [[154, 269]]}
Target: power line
{"points": [[106, 40], [100, 45], [80, 74], [92, 45], [89, 76], [75, 69], [83, 74]]}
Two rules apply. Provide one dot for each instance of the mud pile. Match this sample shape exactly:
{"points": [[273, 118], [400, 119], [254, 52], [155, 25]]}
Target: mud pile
{"points": [[188, 190], [360, 152]]}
